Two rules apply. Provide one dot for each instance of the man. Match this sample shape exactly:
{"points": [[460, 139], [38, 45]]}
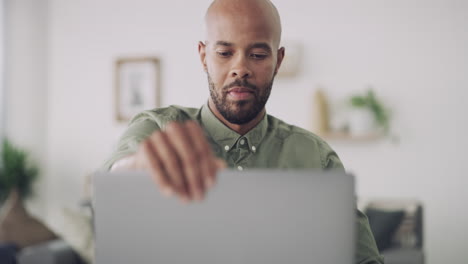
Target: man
{"points": [[183, 148]]}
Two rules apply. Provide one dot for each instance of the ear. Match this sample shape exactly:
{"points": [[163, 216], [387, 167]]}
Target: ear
{"points": [[202, 53], [279, 59]]}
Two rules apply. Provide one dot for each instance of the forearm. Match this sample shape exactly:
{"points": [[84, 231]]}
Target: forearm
{"points": [[126, 163]]}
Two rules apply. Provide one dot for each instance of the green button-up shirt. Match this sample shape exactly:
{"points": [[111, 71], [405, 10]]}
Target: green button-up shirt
{"points": [[271, 144]]}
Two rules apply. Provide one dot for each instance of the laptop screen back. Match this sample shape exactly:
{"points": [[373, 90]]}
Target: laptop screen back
{"points": [[247, 217]]}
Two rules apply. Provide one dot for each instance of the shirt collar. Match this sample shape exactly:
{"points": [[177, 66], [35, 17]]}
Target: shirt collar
{"points": [[224, 136]]}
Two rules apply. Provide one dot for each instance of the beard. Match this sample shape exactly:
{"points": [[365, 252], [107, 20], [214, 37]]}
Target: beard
{"points": [[239, 112]]}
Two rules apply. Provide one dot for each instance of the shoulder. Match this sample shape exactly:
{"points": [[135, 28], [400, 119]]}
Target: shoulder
{"points": [[285, 131], [304, 143], [163, 115]]}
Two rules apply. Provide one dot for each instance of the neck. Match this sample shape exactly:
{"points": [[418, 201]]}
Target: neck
{"points": [[240, 129]]}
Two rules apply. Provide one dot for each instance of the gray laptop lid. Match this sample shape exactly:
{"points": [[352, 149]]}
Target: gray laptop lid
{"points": [[249, 217]]}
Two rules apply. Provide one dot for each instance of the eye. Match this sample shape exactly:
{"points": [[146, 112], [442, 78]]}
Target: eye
{"points": [[258, 56], [224, 54]]}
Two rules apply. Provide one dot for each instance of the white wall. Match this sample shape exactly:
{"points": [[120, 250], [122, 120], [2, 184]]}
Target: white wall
{"points": [[2, 67], [85, 39], [25, 81], [413, 52]]}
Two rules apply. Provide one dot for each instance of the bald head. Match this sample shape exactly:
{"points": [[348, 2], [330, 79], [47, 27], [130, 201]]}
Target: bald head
{"points": [[260, 16], [241, 57]]}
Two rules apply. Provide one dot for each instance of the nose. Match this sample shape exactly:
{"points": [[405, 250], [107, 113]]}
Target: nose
{"points": [[240, 68]]}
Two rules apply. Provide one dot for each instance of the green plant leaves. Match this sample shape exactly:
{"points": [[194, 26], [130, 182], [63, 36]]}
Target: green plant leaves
{"points": [[358, 101], [370, 101], [15, 171]]}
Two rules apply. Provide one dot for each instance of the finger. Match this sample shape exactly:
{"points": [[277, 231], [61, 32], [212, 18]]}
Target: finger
{"points": [[220, 163], [152, 163], [217, 164], [182, 144], [204, 153], [170, 162]]}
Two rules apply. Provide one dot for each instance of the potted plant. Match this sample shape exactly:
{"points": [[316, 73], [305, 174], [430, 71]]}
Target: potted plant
{"points": [[17, 176], [369, 115]]}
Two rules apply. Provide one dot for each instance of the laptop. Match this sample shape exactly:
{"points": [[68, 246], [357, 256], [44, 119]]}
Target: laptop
{"points": [[248, 217]]}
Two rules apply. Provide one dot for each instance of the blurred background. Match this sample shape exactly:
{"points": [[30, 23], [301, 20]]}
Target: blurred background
{"points": [[58, 91]]}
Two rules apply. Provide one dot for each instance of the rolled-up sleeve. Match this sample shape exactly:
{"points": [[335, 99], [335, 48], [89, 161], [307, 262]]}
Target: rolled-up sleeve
{"points": [[366, 252], [139, 129]]}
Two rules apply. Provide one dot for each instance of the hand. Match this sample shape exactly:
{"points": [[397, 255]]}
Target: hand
{"points": [[180, 160]]}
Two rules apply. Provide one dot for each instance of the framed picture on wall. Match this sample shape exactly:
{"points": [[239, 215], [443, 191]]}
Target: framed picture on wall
{"points": [[137, 86]]}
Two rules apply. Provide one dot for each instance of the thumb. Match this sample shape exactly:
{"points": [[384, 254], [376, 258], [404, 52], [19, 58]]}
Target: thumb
{"points": [[220, 164]]}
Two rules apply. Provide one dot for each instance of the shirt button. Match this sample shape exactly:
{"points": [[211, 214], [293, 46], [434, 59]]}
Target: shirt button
{"points": [[240, 168], [242, 141], [226, 147], [254, 148]]}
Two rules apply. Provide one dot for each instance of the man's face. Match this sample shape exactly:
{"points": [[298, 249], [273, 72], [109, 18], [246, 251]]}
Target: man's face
{"points": [[240, 58], [240, 101]]}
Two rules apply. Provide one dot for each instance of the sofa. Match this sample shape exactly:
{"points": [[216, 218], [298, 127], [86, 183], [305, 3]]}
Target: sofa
{"points": [[75, 245], [52, 252], [397, 225]]}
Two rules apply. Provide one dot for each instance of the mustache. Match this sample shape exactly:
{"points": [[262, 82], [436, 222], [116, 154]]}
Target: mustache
{"points": [[239, 82]]}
